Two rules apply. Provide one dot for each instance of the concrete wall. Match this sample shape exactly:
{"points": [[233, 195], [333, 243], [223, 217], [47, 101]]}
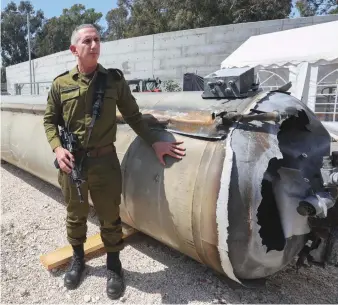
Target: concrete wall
{"points": [[167, 55]]}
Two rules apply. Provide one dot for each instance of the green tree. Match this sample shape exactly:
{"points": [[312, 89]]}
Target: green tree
{"points": [[316, 7], [260, 10], [14, 43], [204, 13], [146, 17], [201, 13], [117, 20], [150, 17], [56, 32], [334, 11], [134, 18]]}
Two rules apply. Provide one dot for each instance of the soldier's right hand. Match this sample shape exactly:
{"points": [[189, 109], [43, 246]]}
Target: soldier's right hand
{"points": [[65, 159]]}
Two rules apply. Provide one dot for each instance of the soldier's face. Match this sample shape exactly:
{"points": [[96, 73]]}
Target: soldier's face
{"points": [[87, 48]]}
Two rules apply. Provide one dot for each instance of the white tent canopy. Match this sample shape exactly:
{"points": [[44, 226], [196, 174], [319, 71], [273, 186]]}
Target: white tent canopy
{"points": [[312, 44], [306, 56]]}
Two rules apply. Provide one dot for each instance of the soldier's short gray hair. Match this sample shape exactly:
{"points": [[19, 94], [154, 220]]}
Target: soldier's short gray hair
{"points": [[74, 39]]}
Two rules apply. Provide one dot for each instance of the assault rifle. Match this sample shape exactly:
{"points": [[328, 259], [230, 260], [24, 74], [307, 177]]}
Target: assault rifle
{"points": [[69, 139], [69, 142]]}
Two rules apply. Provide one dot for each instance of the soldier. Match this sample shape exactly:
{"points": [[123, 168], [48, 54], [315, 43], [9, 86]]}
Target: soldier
{"points": [[70, 101]]}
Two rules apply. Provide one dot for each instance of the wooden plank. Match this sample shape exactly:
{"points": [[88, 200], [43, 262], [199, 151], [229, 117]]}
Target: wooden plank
{"points": [[92, 246]]}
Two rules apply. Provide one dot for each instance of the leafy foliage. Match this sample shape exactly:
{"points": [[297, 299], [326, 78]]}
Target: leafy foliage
{"points": [[56, 32], [14, 42], [316, 7], [145, 17], [171, 86], [133, 18], [117, 20]]}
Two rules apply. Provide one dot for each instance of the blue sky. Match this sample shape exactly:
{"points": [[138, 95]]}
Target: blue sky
{"points": [[54, 7]]}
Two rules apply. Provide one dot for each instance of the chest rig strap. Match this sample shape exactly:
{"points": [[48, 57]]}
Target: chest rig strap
{"points": [[99, 90]]}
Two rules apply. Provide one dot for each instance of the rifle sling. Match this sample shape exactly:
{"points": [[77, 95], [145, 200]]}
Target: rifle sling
{"points": [[99, 90]]}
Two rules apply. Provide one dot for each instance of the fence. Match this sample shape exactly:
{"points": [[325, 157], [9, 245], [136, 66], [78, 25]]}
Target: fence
{"points": [[32, 88]]}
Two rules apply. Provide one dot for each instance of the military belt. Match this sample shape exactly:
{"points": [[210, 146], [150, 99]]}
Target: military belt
{"points": [[97, 151]]}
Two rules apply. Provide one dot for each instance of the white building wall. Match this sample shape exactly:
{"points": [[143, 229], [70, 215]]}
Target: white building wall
{"points": [[167, 55]]}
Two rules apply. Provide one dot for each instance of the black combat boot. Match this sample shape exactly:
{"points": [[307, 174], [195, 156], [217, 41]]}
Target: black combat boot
{"points": [[73, 274], [115, 280]]}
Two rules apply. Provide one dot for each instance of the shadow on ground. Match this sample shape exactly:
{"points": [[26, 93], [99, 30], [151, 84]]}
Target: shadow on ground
{"points": [[184, 280], [44, 187]]}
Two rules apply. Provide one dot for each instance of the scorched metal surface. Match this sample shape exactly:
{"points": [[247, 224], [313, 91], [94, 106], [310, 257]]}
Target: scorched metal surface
{"points": [[230, 203]]}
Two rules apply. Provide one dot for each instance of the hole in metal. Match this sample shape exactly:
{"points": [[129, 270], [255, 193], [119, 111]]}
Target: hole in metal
{"points": [[271, 230]]}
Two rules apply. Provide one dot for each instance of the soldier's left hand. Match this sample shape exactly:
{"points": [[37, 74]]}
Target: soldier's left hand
{"points": [[168, 148]]}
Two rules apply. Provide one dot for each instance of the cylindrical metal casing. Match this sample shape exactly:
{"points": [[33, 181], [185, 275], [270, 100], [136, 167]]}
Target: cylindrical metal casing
{"points": [[229, 203]]}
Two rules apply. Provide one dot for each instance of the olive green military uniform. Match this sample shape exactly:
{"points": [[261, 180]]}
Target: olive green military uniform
{"points": [[71, 97]]}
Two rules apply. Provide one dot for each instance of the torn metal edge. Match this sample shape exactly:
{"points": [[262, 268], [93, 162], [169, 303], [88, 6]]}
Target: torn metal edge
{"points": [[222, 217]]}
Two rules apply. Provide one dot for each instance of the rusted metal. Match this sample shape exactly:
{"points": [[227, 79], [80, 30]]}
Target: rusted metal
{"points": [[190, 122]]}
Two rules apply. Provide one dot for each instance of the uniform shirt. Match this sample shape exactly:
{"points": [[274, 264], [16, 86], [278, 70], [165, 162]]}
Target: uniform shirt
{"points": [[71, 96]]}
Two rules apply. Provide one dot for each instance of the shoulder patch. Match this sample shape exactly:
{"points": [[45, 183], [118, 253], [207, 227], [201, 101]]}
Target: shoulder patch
{"points": [[64, 73], [116, 73]]}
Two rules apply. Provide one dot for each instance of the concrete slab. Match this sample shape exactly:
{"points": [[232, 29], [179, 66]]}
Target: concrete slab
{"points": [[214, 48], [232, 36], [168, 53], [176, 42], [183, 61]]}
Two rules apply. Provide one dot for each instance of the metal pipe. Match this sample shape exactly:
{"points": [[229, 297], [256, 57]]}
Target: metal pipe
{"points": [[29, 53], [36, 85]]}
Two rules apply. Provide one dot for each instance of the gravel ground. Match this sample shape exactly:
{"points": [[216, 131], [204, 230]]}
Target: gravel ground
{"points": [[32, 224]]}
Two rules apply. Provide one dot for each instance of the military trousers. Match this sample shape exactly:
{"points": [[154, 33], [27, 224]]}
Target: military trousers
{"points": [[103, 180]]}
